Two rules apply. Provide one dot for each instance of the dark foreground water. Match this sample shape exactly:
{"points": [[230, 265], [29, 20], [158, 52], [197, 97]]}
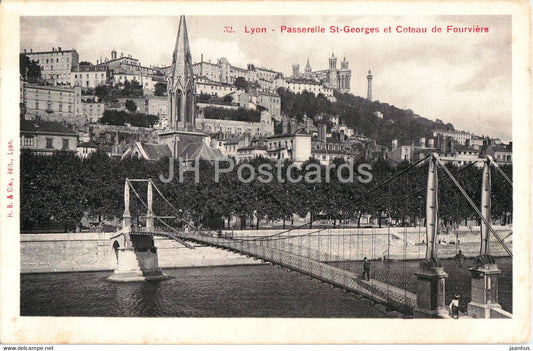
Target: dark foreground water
{"points": [[236, 291]]}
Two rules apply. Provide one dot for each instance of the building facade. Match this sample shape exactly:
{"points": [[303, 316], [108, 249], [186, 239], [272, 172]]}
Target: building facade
{"points": [[52, 103], [293, 146], [88, 76], [263, 128], [211, 87], [56, 65], [224, 72], [92, 111], [46, 137], [270, 101], [299, 85], [458, 136], [159, 106]]}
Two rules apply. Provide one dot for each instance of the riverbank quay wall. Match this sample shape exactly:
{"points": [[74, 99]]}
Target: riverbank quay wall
{"points": [[82, 252]]}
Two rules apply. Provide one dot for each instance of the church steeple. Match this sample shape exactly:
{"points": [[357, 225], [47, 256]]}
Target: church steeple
{"points": [[181, 59], [332, 62], [344, 63], [181, 82], [308, 67]]}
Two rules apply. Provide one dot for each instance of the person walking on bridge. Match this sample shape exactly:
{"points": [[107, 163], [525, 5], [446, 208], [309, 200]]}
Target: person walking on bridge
{"points": [[366, 269], [454, 306]]}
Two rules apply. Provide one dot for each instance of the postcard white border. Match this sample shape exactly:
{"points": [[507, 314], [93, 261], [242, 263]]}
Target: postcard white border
{"points": [[16, 329]]}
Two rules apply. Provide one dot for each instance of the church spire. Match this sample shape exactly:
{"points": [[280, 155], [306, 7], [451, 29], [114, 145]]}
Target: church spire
{"points": [[181, 82], [308, 66], [181, 59]]}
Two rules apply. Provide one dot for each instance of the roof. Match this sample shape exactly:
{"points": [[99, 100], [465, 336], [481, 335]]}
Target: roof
{"points": [[300, 132], [45, 127], [302, 81], [252, 147], [460, 148], [47, 52], [268, 94], [500, 148], [90, 68], [88, 144], [156, 151], [204, 63], [199, 150], [49, 87], [234, 139]]}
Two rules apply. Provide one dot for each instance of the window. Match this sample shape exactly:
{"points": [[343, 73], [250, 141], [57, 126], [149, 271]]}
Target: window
{"points": [[60, 107], [28, 141], [36, 105], [65, 144], [49, 144]]}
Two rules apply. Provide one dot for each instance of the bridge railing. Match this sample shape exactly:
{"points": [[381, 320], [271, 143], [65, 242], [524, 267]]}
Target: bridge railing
{"points": [[395, 297]]}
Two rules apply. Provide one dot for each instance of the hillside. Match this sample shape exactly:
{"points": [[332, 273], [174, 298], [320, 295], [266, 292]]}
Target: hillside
{"points": [[374, 119]]}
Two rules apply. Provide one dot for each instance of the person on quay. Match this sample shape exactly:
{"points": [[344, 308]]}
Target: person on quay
{"points": [[454, 306], [366, 269]]}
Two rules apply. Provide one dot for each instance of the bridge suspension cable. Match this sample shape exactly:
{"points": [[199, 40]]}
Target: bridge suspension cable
{"points": [[500, 170], [374, 189], [478, 212]]}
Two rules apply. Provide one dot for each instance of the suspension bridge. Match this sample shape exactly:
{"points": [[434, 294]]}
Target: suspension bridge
{"points": [[331, 256]]}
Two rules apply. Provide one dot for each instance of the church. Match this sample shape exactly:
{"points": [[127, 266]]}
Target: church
{"points": [[182, 137], [333, 77]]}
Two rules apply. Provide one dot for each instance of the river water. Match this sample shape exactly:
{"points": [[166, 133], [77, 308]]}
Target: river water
{"points": [[231, 291]]}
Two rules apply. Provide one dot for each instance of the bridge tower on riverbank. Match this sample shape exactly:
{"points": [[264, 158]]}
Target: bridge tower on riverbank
{"points": [[136, 254], [431, 278], [485, 273]]}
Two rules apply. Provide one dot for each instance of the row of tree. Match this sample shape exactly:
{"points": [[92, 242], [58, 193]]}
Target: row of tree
{"points": [[120, 118], [108, 93], [59, 188]]}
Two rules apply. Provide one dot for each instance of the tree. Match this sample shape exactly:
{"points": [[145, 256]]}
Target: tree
{"points": [[102, 92], [160, 89], [227, 100], [241, 83], [131, 106], [85, 63], [132, 89], [29, 69], [120, 118], [240, 114]]}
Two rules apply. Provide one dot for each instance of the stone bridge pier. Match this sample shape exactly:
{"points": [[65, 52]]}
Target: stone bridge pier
{"points": [[136, 254]]}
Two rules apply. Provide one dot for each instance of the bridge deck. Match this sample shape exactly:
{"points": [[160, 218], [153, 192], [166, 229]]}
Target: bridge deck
{"points": [[395, 297]]}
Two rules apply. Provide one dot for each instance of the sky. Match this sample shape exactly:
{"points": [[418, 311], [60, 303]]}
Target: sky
{"points": [[459, 78]]}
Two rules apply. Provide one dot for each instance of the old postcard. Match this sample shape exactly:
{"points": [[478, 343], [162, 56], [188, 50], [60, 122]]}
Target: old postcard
{"points": [[265, 172]]}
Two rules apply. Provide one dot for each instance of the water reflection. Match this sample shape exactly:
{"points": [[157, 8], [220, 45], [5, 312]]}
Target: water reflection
{"points": [[137, 299], [241, 291]]}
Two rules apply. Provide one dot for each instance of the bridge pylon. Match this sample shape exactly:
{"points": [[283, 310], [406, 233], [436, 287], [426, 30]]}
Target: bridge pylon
{"points": [[431, 277], [484, 280], [136, 253]]}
